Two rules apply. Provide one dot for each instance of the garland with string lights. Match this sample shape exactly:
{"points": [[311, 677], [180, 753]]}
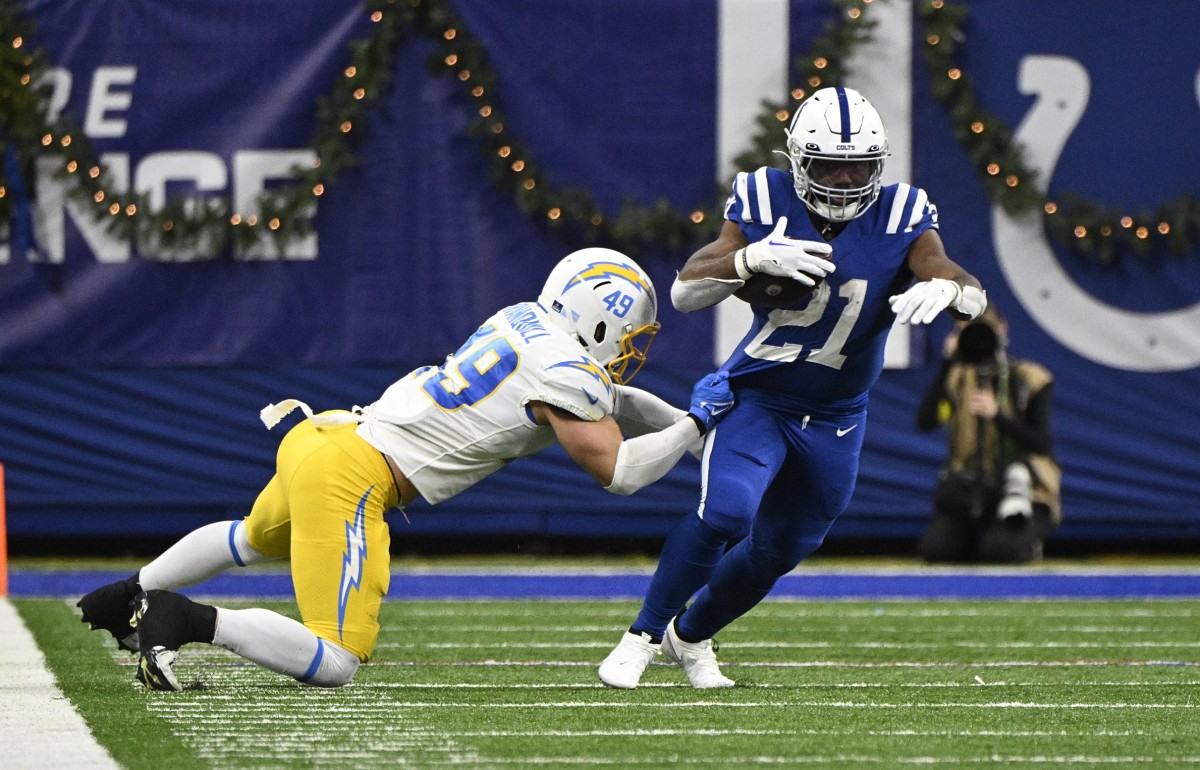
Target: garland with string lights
{"points": [[184, 227], [208, 225], [187, 226], [1087, 228]]}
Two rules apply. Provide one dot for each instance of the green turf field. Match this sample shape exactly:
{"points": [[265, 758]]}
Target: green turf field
{"points": [[512, 684]]}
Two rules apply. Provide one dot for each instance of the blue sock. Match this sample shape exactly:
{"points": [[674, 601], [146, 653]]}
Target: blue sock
{"points": [[688, 558]]}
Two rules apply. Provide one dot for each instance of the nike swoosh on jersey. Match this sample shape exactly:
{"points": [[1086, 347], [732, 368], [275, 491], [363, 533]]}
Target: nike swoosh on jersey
{"points": [[843, 431], [591, 399]]}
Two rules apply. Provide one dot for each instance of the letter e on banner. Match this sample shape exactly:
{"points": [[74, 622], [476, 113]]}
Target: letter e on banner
{"points": [[103, 99]]}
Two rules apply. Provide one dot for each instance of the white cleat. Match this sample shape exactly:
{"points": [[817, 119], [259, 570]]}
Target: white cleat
{"points": [[698, 660], [624, 666]]}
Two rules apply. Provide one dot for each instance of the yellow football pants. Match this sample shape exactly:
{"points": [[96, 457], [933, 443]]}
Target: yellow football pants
{"points": [[324, 509]]}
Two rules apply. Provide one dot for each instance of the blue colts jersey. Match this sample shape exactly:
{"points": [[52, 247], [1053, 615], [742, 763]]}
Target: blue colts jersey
{"points": [[827, 350]]}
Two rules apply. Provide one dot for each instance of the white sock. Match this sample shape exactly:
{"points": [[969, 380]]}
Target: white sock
{"points": [[200, 555], [284, 646]]}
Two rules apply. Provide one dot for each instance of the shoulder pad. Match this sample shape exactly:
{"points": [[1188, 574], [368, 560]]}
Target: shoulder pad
{"points": [[580, 386]]}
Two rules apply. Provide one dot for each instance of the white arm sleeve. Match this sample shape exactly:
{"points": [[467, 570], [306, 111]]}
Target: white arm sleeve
{"points": [[687, 296], [644, 460], [639, 412]]}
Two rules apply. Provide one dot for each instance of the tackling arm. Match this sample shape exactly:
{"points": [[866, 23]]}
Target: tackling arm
{"points": [[639, 412], [621, 466], [625, 466]]}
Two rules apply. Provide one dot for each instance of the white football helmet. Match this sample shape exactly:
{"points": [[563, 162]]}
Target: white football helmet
{"points": [[606, 301], [837, 144]]}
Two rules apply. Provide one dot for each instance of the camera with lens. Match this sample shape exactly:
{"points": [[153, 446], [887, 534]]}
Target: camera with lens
{"points": [[978, 343], [979, 347]]}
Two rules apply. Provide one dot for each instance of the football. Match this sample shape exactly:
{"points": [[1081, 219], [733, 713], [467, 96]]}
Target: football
{"points": [[773, 291]]}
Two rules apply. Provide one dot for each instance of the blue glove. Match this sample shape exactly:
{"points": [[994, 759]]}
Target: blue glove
{"points": [[711, 398]]}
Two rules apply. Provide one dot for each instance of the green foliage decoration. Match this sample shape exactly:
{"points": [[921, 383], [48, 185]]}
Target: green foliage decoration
{"points": [[205, 226]]}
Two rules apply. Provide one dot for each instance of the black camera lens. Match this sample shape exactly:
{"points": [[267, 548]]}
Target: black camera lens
{"points": [[977, 343]]}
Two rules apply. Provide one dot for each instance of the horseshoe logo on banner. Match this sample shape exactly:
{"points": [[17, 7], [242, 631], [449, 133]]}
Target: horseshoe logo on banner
{"points": [[1106, 334]]}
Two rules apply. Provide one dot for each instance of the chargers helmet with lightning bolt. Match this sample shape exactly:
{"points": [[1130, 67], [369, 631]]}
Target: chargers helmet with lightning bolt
{"points": [[606, 301], [837, 143]]}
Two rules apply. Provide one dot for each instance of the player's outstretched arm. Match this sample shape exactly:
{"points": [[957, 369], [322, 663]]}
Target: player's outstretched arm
{"points": [[942, 284], [625, 466], [639, 412]]}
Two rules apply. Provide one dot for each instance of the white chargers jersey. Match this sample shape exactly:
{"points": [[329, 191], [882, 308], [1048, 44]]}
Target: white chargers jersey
{"points": [[451, 426]]}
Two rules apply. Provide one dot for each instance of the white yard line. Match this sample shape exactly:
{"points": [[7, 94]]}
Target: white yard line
{"points": [[970, 645], [39, 728], [786, 664], [864, 706]]}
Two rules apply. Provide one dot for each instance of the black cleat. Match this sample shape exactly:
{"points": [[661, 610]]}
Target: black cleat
{"points": [[166, 621], [109, 607]]}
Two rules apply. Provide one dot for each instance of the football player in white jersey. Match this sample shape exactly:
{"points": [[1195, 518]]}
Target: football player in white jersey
{"points": [[534, 373], [782, 465]]}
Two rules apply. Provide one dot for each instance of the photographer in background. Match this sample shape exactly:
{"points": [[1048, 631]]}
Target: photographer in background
{"points": [[997, 497]]}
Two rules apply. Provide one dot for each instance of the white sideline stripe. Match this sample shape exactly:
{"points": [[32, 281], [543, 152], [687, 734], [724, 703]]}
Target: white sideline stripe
{"points": [[39, 728]]}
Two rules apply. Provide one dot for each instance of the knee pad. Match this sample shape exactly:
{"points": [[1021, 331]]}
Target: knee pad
{"points": [[338, 666]]}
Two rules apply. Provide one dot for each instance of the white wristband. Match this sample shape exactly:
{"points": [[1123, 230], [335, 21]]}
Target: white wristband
{"points": [[741, 264]]}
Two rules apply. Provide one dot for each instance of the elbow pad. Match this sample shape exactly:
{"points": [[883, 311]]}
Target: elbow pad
{"points": [[644, 460], [687, 296]]}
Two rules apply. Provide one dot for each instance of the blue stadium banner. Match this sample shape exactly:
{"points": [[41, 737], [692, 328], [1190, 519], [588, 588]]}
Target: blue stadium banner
{"points": [[130, 376]]}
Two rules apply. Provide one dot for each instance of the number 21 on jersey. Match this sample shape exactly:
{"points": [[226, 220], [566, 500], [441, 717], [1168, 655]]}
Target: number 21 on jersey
{"points": [[829, 354]]}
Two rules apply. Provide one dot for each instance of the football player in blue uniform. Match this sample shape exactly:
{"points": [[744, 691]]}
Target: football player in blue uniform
{"points": [[782, 465]]}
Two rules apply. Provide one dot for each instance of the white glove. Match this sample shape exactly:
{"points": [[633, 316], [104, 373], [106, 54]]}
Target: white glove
{"points": [[777, 254], [972, 303], [923, 301]]}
